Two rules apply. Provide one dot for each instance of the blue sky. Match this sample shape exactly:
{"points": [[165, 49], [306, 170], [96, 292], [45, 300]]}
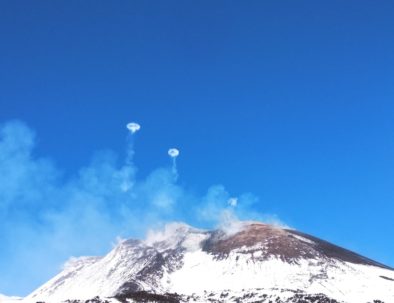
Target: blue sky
{"points": [[286, 105]]}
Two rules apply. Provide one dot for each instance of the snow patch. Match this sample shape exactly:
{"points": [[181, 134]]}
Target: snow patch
{"points": [[303, 239], [9, 299], [76, 262]]}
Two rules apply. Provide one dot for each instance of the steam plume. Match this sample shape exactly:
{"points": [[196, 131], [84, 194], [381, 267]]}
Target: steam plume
{"points": [[46, 218]]}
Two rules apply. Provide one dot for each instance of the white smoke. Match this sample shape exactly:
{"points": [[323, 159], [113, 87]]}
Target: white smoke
{"points": [[174, 153], [133, 127], [233, 202], [46, 218], [128, 171], [229, 223]]}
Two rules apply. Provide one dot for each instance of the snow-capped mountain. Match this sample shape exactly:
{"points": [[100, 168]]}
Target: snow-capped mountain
{"points": [[257, 263]]}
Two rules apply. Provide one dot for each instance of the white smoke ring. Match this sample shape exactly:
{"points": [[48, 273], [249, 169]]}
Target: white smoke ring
{"points": [[173, 152], [133, 127]]}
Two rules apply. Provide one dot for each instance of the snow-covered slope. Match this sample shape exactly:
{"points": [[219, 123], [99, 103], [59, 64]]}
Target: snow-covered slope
{"points": [[259, 262], [7, 299]]}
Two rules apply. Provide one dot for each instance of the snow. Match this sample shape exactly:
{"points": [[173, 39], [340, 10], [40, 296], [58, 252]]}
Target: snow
{"points": [[347, 282], [303, 239], [8, 299], [102, 277], [195, 272], [76, 262]]}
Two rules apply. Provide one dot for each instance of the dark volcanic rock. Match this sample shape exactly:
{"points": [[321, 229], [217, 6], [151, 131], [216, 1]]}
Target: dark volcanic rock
{"points": [[333, 251], [285, 244], [143, 296]]}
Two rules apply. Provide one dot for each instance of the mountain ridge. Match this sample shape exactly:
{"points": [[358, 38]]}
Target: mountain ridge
{"points": [[256, 262]]}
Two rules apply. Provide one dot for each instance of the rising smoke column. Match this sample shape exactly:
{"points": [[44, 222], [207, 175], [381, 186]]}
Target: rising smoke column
{"points": [[128, 170], [133, 128], [174, 153], [103, 198]]}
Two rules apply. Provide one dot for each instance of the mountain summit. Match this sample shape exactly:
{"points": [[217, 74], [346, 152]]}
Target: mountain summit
{"points": [[256, 263]]}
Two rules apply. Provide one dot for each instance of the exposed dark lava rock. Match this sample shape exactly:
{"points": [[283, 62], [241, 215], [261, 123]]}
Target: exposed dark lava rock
{"points": [[138, 268], [276, 242], [285, 244], [143, 296], [333, 251], [387, 278]]}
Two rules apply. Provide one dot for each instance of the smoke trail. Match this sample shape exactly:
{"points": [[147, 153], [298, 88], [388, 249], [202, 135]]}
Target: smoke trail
{"points": [[128, 171], [133, 128], [46, 218], [174, 153]]}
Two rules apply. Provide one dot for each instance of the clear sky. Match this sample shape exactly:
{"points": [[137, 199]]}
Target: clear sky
{"points": [[289, 101]]}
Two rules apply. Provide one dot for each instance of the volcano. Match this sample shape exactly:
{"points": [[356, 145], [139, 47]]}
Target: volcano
{"points": [[255, 263]]}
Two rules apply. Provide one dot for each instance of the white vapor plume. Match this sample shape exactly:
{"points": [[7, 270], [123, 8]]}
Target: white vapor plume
{"points": [[229, 222], [128, 170], [174, 153], [233, 202], [47, 217]]}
